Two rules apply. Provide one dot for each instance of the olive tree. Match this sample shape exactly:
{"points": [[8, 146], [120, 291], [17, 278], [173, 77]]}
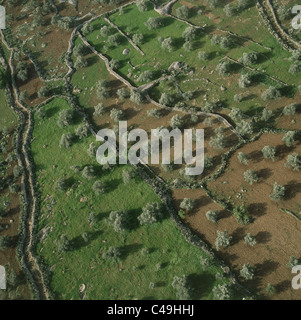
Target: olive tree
{"points": [[181, 285], [212, 215], [119, 220], [293, 161], [271, 93], [222, 292], [177, 122], [250, 176], [247, 272], [290, 110], [249, 239], [98, 187], [222, 240], [99, 110], [187, 204], [289, 138], [151, 213], [278, 192], [243, 158], [269, 152]]}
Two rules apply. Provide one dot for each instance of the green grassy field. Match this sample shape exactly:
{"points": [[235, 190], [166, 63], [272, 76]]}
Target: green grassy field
{"points": [[274, 63], [8, 118], [67, 213]]}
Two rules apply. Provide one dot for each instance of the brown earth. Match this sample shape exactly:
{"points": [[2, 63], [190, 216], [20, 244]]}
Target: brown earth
{"points": [[8, 256], [278, 234]]}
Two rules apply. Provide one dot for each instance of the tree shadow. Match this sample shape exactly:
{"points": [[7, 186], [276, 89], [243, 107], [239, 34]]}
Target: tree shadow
{"points": [[238, 235], [201, 284], [78, 242], [257, 209], [130, 249], [263, 237], [255, 156], [265, 173], [292, 189], [51, 111], [267, 267], [283, 285]]}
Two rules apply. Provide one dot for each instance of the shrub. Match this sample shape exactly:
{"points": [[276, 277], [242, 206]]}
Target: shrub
{"points": [[222, 240], [270, 289], [61, 184], [247, 272], [205, 263], [250, 176], [128, 175], [241, 215], [293, 161], [112, 254], [167, 167], [88, 172], [278, 192], [292, 262], [212, 215], [64, 244], [98, 187]]}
